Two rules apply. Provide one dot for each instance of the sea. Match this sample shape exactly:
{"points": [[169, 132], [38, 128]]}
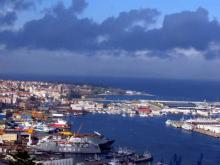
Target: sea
{"points": [[167, 144]]}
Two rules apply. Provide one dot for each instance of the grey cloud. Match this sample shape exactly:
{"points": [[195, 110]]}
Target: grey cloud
{"points": [[8, 18], [125, 20], [213, 51], [78, 6], [16, 4], [186, 29], [9, 10], [189, 29], [62, 29]]}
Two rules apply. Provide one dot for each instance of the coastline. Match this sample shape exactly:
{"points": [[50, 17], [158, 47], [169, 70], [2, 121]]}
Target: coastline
{"points": [[138, 108]]}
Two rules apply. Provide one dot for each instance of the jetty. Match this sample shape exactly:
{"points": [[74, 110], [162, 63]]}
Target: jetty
{"points": [[205, 132], [210, 129]]}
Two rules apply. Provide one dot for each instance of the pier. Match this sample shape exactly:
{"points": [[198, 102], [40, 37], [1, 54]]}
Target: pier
{"points": [[126, 159], [205, 132], [193, 127]]}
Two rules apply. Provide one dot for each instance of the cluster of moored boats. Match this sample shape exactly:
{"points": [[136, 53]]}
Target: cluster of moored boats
{"points": [[54, 136], [38, 126], [120, 156], [207, 126], [67, 142]]}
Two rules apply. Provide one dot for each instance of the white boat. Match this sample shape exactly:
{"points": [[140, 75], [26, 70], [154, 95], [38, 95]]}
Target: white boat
{"points": [[57, 115], [168, 122], [40, 127], [96, 138], [187, 126], [123, 115], [58, 123], [131, 115], [143, 115]]}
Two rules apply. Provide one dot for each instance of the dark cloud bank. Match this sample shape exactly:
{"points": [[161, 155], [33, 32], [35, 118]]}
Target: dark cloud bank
{"points": [[62, 29], [10, 8]]}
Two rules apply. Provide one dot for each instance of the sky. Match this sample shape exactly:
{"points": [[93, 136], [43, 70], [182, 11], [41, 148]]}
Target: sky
{"points": [[132, 38]]}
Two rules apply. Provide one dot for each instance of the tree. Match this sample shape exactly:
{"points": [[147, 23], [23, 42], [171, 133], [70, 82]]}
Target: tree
{"points": [[21, 158]]}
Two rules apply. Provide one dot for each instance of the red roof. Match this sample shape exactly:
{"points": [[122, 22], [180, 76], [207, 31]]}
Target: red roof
{"points": [[144, 110]]}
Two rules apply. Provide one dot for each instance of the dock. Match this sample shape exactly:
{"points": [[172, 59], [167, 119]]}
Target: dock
{"points": [[179, 124], [122, 159], [205, 132], [176, 124]]}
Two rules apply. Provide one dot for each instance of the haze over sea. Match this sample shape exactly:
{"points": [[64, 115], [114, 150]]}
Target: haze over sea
{"points": [[150, 133]]}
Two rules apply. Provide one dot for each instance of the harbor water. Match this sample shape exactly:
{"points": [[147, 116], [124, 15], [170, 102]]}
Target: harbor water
{"points": [[151, 134]]}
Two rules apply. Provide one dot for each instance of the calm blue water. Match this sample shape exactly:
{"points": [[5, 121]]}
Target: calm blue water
{"points": [[141, 134]]}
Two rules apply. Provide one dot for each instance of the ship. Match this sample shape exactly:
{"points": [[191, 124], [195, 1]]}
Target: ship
{"points": [[64, 146], [59, 123], [120, 157], [67, 147], [96, 138]]}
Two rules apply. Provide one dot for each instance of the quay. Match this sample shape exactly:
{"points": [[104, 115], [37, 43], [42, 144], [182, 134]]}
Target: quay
{"points": [[34, 118], [205, 132], [103, 161], [176, 124], [192, 126], [126, 159]]}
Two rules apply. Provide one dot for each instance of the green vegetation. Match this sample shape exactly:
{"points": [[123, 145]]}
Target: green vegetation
{"points": [[21, 158]]}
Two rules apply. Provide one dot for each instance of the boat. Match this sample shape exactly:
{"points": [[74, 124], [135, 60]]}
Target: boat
{"points": [[124, 152], [40, 127], [124, 115], [59, 123], [168, 122], [76, 112], [95, 138], [131, 115], [187, 126], [57, 115], [62, 147], [143, 115], [121, 156], [121, 152], [142, 158], [48, 144]]}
